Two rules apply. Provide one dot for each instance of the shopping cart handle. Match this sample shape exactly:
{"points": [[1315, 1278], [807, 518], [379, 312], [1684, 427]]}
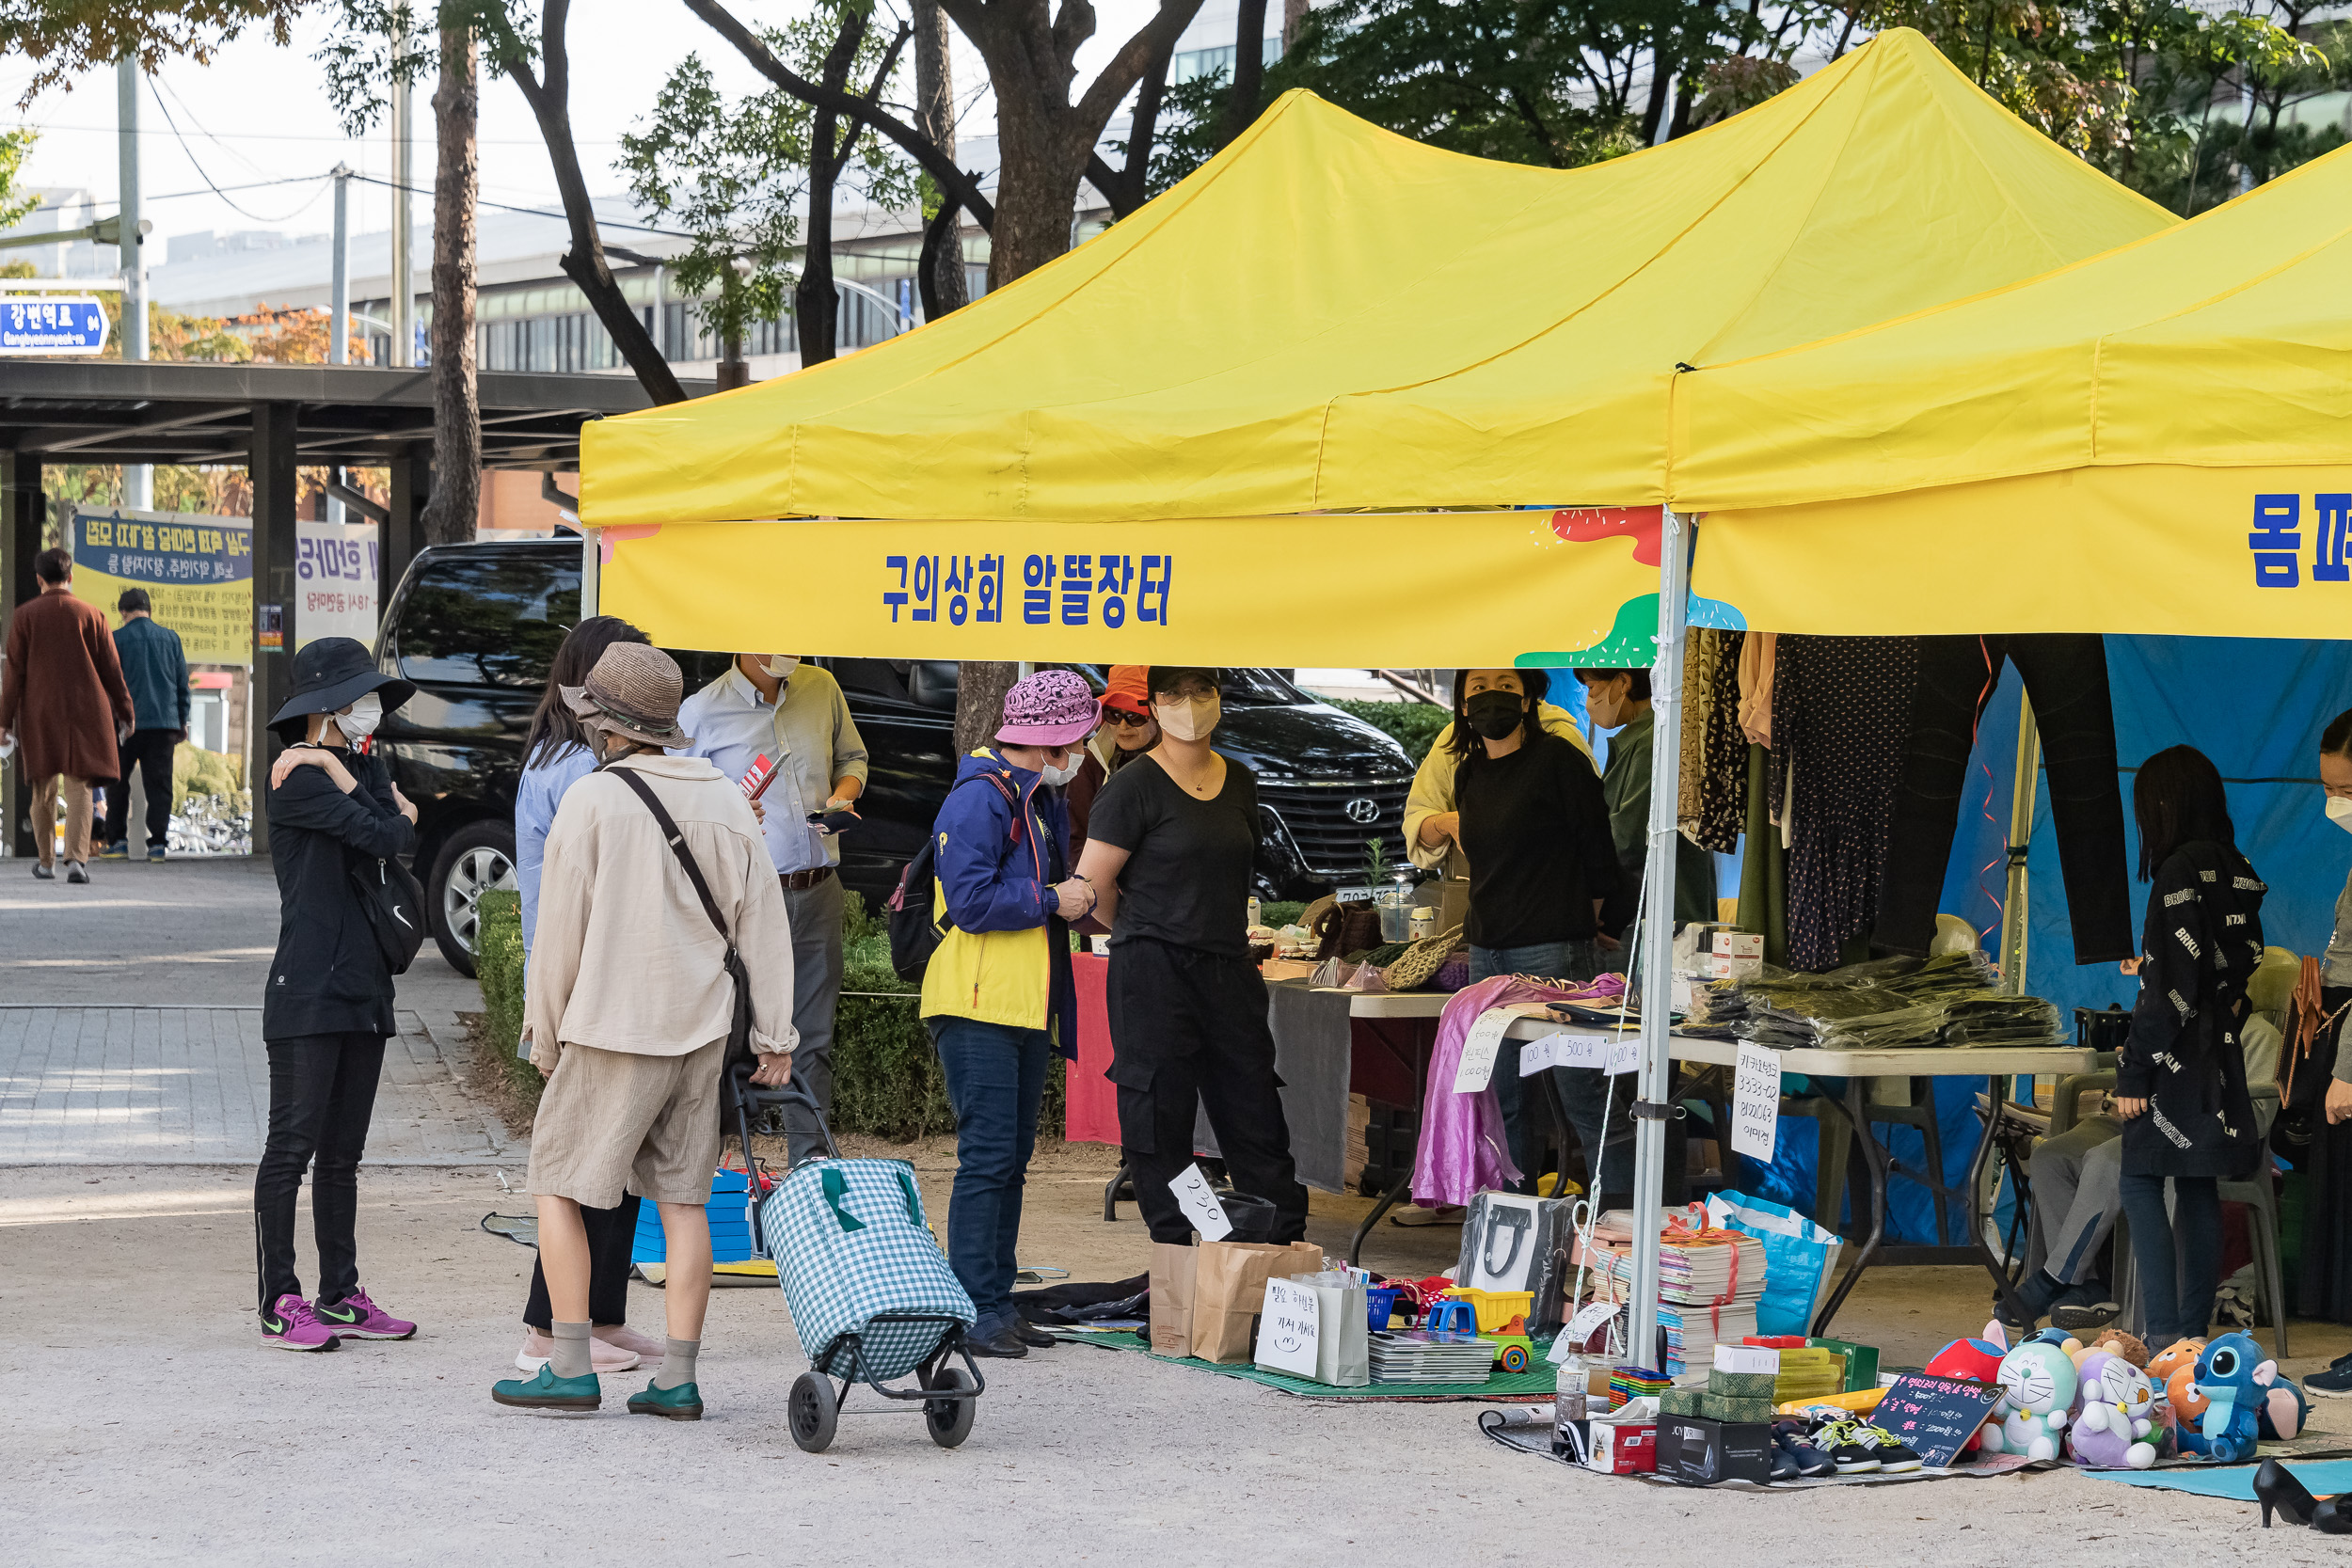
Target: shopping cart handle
{"points": [[793, 1092]]}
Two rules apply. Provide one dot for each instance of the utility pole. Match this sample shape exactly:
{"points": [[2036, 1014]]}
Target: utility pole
{"points": [[138, 480], [403, 288], [338, 303]]}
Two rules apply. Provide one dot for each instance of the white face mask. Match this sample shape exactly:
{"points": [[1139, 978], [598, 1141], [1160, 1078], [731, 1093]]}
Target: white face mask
{"points": [[2340, 812], [1189, 719], [366, 713], [782, 665], [1059, 776]]}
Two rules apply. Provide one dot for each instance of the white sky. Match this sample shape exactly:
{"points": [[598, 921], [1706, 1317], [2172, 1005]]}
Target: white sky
{"points": [[259, 112]]}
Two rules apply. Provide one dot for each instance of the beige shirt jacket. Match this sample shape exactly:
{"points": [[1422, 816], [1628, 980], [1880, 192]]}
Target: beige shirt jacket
{"points": [[624, 956], [1431, 793]]}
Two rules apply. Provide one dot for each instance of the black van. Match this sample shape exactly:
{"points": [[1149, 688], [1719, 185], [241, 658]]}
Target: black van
{"points": [[475, 627]]}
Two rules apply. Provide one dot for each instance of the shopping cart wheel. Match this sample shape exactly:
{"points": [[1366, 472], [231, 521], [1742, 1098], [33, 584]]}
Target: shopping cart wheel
{"points": [[813, 1412], [950, 1421]]}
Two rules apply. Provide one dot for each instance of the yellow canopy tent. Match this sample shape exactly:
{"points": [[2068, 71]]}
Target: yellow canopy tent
{"points": [[1327, 317], [2155, 440]]}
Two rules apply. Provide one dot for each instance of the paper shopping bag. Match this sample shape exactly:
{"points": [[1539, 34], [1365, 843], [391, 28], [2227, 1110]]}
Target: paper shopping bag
{"points": [[1228, 1291], [1343, 1351], [1171, 1297]]}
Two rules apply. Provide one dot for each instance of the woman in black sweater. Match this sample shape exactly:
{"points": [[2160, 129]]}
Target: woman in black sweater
{"points": [[2180, 1086], [327, 1008], [1533, 823]]}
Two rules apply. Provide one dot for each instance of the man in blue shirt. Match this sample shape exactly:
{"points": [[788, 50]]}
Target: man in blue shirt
{"points": [[156, 669], [794, 715]]}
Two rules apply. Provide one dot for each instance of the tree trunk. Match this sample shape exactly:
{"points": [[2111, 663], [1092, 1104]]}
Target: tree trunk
{"points": [[980, 689], [815, 303], [452, 511], [1035, 212], [1248, 68], [1293, 14], [941, 269], [584, 262]]}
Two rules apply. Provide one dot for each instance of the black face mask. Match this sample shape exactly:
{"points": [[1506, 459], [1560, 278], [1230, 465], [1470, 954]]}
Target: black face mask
{"points": [[1494, 714]]}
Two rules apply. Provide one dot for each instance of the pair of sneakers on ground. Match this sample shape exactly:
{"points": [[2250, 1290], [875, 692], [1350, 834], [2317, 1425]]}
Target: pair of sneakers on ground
{"points": [[292, 1324], [75, 871], [121, 851], [608, 1348], [1842, 1447]]}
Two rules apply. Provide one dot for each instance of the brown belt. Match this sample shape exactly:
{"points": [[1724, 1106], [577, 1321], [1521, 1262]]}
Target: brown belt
{"points": [[801, 882]]}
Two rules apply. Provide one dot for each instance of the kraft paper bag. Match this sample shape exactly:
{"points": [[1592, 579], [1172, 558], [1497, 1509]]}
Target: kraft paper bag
{"points": [[1229, 1292], [1343, 1346], [1173, 1269]]}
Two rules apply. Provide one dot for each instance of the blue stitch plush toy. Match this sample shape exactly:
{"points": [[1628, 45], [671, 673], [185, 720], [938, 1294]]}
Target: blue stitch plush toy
{"points": [[2233, 1375]]}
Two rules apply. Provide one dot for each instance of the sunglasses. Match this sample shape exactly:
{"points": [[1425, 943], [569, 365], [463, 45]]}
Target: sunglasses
{"points": [[1120, 716]]}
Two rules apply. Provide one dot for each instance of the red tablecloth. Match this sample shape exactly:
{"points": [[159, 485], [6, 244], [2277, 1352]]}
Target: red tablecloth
{"points": [[1093, 1105]]}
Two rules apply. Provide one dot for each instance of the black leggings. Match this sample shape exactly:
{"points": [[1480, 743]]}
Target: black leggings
{"points": [[2178, 1256], [612, 1236], [321, 1091]]}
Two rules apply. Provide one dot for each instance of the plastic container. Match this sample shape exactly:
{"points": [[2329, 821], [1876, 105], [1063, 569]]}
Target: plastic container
{"points": [[1568, 1397], [1424, 922], [1395, 904], [1380, 1304]]}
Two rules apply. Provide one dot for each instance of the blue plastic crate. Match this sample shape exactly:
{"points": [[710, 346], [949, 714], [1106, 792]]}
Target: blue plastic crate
{"points": [[730, 1235]]}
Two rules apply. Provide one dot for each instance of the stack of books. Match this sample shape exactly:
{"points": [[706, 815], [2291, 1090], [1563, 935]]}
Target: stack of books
{"points": [[1708, 1287], [1423, 1355], [1358, 1153]]}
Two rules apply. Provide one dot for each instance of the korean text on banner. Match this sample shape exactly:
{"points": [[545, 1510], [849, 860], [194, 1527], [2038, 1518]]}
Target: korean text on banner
{"points": [[335, 577], [198, 571], [1755, 1101]]}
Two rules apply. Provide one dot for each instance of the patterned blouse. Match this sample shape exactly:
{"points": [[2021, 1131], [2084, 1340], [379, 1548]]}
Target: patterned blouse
{"points": [[2202, 941]]}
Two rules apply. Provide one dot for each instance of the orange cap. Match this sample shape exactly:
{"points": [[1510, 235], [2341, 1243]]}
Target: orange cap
{"points": [[1127, 689]]}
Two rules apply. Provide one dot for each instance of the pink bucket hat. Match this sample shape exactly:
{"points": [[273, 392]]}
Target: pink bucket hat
{"points": [[1051, 707]]}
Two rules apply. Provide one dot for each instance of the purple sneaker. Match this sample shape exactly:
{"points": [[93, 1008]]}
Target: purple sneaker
{"points": [[289, 1324], [355, 1317]]}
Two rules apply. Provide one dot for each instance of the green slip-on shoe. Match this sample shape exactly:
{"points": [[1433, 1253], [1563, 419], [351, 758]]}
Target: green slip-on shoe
{"points": [[544, 1390], [681, 1403]]}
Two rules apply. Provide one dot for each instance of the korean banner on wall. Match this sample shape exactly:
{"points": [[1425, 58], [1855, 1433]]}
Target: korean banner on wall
{"points": [[335, 578], [198, 571]]}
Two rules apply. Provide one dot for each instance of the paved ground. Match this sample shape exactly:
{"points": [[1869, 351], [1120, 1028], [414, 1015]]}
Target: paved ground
{"points": [[145, 1424]]}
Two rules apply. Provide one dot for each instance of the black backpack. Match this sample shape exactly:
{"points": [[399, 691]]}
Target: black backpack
{"points": [[914, 935], [393, 904]]}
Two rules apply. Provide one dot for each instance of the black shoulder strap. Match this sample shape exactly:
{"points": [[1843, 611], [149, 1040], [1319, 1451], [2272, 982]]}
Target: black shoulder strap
{"points": [[677, 846]]}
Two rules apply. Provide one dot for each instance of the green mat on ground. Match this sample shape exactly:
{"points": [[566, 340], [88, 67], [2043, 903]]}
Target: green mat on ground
{"points": [[1535, 1383]]}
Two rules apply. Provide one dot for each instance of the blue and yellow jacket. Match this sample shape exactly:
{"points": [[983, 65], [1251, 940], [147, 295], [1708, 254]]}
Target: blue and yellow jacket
{"points": [[994, 865]]}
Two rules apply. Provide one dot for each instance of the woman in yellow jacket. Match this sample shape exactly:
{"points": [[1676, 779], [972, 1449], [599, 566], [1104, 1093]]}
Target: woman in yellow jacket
{"points": [[998, 995]]}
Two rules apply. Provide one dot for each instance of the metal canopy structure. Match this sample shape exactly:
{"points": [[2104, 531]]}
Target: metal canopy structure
{"points": [[271, 421]]}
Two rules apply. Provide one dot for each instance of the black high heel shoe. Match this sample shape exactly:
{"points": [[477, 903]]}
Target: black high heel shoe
{"points": [[2331, 1518], [2275, 1487]]}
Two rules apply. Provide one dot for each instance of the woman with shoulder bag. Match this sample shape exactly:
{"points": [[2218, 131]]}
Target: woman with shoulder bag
{"points": [[327, 1008]]}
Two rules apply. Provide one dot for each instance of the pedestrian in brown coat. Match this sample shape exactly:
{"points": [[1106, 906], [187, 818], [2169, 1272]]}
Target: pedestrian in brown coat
{"points": [[63, 698]]}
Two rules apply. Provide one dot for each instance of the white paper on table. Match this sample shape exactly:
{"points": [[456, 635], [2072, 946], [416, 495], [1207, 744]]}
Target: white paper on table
{"points": [[1198, 1199], [1625, 1052], [1588, 1317], [1478, 1050], [1755, 1101], [1289, 1328], [1563, 1049]]}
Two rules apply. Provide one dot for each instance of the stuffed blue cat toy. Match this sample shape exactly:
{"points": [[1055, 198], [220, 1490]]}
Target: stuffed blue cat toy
{"points": [[2232, 1374]]}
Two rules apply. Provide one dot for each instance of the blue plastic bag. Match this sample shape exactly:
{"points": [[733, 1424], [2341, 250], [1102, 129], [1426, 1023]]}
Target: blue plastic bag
{"points": [[1800, 1259]]}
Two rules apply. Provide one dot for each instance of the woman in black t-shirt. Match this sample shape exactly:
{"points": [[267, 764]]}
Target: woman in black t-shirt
{"points": [[1169, 847], [1532, 820]]}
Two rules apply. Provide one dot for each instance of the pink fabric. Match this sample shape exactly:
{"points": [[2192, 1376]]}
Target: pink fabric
{"points": [[1463, 1149]]}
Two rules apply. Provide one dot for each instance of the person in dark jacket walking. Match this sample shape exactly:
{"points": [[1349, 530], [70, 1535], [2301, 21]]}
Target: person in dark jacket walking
{"points": [[155, 668], [63, 700], [2180, 1084], [327, 1008]]}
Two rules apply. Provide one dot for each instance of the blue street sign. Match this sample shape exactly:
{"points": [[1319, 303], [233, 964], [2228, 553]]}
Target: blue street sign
{"points": [[52, 323]]}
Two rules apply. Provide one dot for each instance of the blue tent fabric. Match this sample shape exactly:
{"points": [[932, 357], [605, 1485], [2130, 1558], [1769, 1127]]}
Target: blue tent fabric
{"points": [[2256, 707]]}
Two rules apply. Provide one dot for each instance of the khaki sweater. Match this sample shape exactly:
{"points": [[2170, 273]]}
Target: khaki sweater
{"points": [[625, 958]]}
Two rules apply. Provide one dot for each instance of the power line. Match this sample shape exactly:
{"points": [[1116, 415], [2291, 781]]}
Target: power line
{"points": [[225, 136], [190, 153], [602, 222]]}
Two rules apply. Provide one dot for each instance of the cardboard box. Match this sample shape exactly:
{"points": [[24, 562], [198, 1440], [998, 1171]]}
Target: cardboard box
{"points": [[1739, 944], [1623, 1448], [1753, 1359], [1702, 1452], [1722, 966]]}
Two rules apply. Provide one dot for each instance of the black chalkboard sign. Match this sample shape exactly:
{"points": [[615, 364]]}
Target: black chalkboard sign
{"points": [[1935, 1416]]}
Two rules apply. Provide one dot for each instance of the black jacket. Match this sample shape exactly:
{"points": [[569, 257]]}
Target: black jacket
{"points": [[328, 976], [2203, 943]]}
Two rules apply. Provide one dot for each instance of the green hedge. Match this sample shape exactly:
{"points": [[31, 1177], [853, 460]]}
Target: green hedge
{"points": [[886, 1079], [499, 965], [1415, 725]]}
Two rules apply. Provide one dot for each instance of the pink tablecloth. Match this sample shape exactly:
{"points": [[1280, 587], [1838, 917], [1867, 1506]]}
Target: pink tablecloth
{"points": [[1093, 1107]]}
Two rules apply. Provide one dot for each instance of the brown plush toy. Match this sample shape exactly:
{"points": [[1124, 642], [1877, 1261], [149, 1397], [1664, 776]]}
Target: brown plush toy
{"points": [[2116, 1342]]}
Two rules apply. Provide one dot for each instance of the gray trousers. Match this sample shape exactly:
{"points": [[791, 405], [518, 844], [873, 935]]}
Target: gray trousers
{"points": [[2077, 1193], [816, 916]]}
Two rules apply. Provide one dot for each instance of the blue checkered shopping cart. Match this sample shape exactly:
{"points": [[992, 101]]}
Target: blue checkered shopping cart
{"points": [[871, 1295]]}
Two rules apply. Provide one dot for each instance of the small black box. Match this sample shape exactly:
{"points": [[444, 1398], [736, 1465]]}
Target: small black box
{"points": [[1694, 1450]]}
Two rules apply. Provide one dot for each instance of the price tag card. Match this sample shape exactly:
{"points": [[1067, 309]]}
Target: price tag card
{"points": [[1589, 1317], [1289, 1328], [1625, 1052], [1755, 1101], [1563, 1049], [1198, 1199], [1477, 1066]]}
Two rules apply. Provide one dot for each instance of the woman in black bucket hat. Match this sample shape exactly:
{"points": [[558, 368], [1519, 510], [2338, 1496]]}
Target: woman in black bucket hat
{"points": [[327, 1008]]}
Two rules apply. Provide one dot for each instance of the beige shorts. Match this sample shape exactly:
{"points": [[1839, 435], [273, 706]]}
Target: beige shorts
{"points": [[613, 1122]]}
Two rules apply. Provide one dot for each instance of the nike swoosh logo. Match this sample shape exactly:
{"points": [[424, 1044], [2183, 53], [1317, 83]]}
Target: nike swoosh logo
{"points": [[333, 1316], [274, 1325], [402, 918]]}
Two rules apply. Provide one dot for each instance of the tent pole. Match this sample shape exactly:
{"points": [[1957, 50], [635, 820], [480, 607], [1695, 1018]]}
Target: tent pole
{"points": [[2020, 836], [1654, 1078], [591, 571]]}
